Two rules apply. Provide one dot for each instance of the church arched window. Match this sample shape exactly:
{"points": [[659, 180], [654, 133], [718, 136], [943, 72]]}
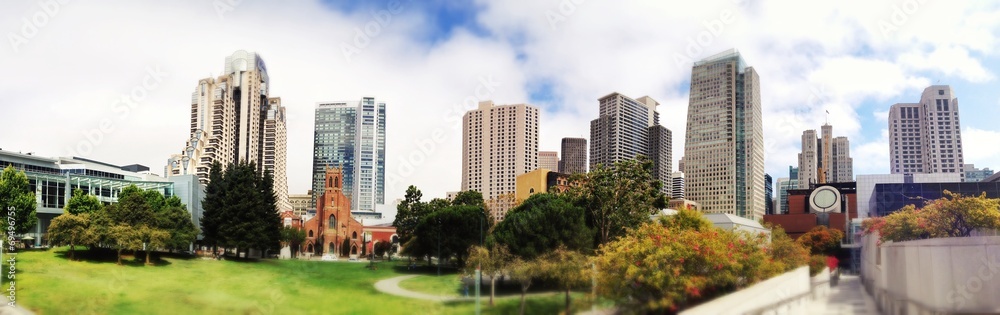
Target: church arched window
{"points": [[333, 222]]}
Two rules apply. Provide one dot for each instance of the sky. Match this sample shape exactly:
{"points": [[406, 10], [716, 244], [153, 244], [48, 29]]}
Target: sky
{"points": [[112, 80]]}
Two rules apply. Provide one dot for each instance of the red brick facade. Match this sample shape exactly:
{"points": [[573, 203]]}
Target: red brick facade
{"points": [[799, 220], [332, 224], [379, 234]]}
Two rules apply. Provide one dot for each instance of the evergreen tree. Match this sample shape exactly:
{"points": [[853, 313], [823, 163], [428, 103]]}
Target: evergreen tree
{"points": [[213, 206], [408, 214]]}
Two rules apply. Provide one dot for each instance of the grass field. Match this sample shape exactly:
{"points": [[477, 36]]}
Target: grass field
{"points": [[48, 283]]}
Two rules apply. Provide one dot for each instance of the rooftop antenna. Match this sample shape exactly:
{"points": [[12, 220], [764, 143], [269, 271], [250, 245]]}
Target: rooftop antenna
{"points": [[827, 117]]}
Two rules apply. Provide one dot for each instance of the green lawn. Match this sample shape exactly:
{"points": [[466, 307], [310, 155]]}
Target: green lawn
{"points": [[48, 283]]}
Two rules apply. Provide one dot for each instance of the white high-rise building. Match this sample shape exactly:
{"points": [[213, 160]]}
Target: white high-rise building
{"points": [[925, 137], [724, 151], [499, 142], [677, 185], [229, 114], [630, 127]]}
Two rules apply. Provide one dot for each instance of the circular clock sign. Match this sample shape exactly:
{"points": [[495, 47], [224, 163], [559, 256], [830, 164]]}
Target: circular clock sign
{"points": [[825, 199]]}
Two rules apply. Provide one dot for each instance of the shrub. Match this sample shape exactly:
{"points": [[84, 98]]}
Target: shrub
{"points": [[657, 268], [816, 264], [951, 216], [821, 240]]}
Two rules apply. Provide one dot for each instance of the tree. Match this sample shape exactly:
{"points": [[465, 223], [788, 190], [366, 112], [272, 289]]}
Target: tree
{"points": [[240, 210], [124, 237], [69, 229], [821, 240], [409, 212], [132, 208], [17, 198], [493, 261], [618, 198], [293, 238], [786, 252], [687, 219], [153, 238], [214, 207], [656, 268], [523, 272], [177, 223], [541, 224], [446, 233], [381, 248], [567, 269], [469, 198], [81, 202]]}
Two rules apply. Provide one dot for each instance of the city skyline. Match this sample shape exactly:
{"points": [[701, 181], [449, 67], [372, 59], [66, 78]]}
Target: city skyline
{"points": [[157, 76]]}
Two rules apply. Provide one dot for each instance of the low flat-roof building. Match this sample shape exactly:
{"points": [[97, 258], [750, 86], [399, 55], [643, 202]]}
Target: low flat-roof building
{"points": [[54, 179]]}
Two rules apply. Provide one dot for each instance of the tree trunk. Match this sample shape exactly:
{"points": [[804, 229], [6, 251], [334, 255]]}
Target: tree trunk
{"points": [[493, 285], [147, 256], [524, 291], [119, 256], [567, 302], [71, 252]]}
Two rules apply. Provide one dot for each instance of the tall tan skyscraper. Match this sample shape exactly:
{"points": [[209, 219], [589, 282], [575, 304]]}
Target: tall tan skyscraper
{"points": [[499, 142], [926, 137], [228, 116], [275, 149], [825, 159], [724, 152], [548, 160]]}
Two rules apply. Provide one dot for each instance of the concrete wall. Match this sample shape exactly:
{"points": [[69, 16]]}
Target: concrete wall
{"points": [[785, 294], [942, 275]]}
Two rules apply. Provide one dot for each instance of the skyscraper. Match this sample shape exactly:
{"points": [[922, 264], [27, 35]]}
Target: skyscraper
{"points": [[275, 149], [677, 185], [574, 156], [627, 128], [351, 135], [926, 137], [499, 142], [825, 159], [724, 151], [548, 160], [229, 114], [768, 194]]}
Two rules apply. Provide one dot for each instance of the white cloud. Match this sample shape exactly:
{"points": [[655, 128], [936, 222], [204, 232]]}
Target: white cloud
{"points": [[981, 147]]}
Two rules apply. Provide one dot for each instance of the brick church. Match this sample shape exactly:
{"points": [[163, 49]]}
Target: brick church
{"points": [[332, 230]]}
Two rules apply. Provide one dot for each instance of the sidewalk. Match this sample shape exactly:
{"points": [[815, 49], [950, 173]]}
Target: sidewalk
{"points": [[848, 297]]}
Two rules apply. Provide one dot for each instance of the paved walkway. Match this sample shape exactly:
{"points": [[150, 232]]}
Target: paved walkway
{"points": [[391, 286], [848, 297]]}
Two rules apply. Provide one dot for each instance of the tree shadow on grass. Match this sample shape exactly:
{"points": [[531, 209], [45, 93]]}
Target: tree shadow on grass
{"points": [[107, 256], [423, 269]]}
